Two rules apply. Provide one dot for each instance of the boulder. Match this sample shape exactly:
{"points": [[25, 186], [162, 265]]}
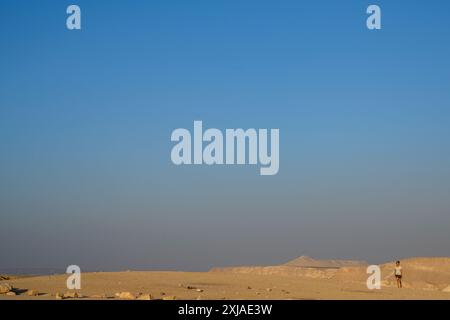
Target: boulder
{"points": [[125, 295], [32, 293], [5, 288], [72, 295], [145, 297]]}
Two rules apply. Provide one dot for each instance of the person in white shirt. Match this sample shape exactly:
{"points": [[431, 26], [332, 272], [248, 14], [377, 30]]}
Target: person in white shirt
{"points": [[398, 272]]}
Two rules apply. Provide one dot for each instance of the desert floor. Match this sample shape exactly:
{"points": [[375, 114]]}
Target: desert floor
{"points": [[211, 285], [299, 279]]}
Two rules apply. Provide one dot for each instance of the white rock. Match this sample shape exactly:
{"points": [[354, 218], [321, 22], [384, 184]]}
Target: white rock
{"points": [[125, 295]]}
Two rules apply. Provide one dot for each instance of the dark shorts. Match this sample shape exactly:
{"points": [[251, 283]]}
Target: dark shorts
{"points": [[398, 276]]}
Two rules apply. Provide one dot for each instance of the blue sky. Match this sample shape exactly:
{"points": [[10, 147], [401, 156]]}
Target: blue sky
{"points": [[86, 118]]}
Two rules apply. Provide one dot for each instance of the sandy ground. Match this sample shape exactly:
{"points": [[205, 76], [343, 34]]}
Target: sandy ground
{"points": [[424, 278], [214, 286]]}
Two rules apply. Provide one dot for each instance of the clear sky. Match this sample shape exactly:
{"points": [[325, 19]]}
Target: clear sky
{"points": [[86, 118]]}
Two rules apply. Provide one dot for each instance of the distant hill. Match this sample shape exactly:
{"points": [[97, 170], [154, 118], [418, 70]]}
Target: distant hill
{"points": [[302, 266], [307, 262]]}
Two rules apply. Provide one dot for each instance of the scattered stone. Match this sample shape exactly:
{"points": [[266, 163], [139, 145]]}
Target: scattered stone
{"points": [[125, 295], [249, 288], [199, 290], [268, 289], [181, 285], [170, 298], [5, 288], [73, 295], [145, 297], [32, 293], [59, 296], [11, 293]]}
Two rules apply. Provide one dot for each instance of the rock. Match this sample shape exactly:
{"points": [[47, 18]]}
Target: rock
{"points": [[125, 295], [199, 298], [162, 293], [199, 290], [170, 298], [181, 285], [268, 290], [11, 293], [5, 288], [32, 293], [59, 296], [72, 295], [249, 288], [145, 297], [447, 289]]}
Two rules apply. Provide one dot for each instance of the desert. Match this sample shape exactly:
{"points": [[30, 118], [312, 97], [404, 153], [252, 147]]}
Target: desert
{"points": [[303, 278]]}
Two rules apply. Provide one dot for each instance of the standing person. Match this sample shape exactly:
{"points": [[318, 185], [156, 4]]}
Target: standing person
{"points": [[398, 272]]}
